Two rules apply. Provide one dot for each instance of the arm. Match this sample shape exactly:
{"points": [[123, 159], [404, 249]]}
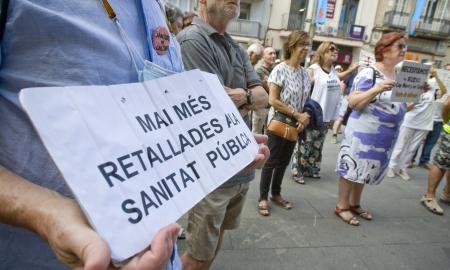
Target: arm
{"points": [[345, 74], [278, 105], [358, 100], [446, 110], [410, 106], [311, 75], [441, 85], [61, 223]]}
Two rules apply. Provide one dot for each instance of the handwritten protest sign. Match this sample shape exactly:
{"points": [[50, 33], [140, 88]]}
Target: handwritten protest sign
{"points": [[444, 75], [409, 82], [366, 58], [138, 156]]}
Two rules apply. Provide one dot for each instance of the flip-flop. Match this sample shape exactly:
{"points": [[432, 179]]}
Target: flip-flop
{"points": [[282, 203], [264, 210], [358, 210]]}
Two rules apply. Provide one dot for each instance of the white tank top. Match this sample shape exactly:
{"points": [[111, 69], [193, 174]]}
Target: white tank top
{"points": [[326, 91]]}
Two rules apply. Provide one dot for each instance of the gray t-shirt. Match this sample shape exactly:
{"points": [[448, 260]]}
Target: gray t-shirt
{"points": [[202, 47]]}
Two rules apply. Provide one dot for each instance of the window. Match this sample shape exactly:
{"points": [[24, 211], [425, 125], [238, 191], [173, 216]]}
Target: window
{"points": [[245, 11], [430, 10]]}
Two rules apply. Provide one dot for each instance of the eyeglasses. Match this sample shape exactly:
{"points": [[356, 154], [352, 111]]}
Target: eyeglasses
{"points": [[333, 49], [304, 45]]}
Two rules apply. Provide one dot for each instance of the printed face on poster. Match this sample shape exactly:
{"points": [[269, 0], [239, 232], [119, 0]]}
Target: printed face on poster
{"points": [[138, 156], [410, 81]]}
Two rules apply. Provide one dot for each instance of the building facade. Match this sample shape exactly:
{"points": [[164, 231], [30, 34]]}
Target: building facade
{"points": [[431, 39], [348, 24], [251, 24]]}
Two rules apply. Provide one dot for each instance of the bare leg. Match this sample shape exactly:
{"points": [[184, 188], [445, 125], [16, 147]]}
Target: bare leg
{"points": [[355, 195], [434, 178], [345, 188], [190, 263], [447, 186], [337, 125]]}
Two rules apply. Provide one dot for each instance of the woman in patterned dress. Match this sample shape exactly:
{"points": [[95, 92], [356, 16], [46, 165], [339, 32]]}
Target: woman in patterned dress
{"points": [[326, 91], [372, 128], [289, 87]]}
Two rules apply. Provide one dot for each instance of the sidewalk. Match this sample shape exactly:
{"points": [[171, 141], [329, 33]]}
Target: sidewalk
{"points": [[403, 234]]}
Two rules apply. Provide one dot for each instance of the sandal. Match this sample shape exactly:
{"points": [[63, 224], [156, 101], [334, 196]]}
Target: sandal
{"points": [[432, 205], [298, 179], [264, 208], [356, 209], [282, 203], [352, 221]]}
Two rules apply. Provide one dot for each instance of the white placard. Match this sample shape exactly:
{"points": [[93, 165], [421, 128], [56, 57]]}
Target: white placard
{"points": [[138, 156], [366, 58], [444, 76], [409, 82]]}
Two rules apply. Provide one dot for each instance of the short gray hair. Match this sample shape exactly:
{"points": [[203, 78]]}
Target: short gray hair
{"points": [[255, 48]]}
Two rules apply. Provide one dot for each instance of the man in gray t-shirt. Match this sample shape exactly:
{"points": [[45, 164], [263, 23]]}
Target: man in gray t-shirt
{"points": [[259, 117], [205, 45]]}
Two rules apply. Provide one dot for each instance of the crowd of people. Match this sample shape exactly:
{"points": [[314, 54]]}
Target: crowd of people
{"points": [[45, 227]]}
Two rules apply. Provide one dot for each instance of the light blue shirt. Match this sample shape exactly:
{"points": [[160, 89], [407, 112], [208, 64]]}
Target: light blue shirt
{"points": [[63, 43]]}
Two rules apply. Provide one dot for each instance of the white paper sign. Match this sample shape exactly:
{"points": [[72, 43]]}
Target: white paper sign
{"points": [[366, 58], [409, 82], [444, 75], [138, 156]]}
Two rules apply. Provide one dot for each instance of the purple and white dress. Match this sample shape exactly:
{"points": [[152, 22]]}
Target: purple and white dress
{"points": [[370, 134]]}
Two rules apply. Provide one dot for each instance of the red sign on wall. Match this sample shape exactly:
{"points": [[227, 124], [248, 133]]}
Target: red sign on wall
{"points": [[331, 6]]}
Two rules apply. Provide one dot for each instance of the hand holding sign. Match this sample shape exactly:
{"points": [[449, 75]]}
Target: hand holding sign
{"points": [[386, 85], [138, 156], [410, 82]]}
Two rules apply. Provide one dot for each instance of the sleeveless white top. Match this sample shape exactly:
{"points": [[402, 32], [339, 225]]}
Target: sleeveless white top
{"points": [[326, 91]]}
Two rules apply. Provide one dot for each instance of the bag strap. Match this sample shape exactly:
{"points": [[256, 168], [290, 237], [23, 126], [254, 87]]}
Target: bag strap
{"points": [[3, 17], [374, 76]]}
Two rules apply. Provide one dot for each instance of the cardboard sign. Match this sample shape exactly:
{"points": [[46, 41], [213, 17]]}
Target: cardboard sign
{"points": [[366, 58], [409, 82], [138, 156], [444, 76]]}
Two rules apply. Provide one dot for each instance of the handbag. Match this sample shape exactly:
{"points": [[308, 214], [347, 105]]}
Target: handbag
{"points": [[283, 126]]}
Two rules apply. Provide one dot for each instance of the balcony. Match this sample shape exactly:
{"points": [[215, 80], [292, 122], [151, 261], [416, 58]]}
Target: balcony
{"points": [[396, 19], [292, 21], [433, 27], [244, 28]]}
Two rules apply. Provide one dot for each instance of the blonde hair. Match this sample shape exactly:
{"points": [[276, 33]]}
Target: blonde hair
{"points": [[319, 57]]}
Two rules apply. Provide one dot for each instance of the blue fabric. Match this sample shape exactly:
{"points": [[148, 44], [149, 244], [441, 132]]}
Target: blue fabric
{"points": [[430, 142], [314, 109], [61, 43], [321, 12], [420, 4]]}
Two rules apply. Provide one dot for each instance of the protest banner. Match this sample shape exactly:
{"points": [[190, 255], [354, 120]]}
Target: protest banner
{"points": [[138, 156], [366, 58], [409, 82], [444, 75]]}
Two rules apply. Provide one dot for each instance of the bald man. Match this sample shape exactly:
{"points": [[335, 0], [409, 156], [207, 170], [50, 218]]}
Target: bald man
{"points": [[259, 117]]}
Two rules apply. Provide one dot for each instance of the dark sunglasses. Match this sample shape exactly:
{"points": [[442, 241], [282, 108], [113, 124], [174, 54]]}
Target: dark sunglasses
{"points": [[401, 46], [333, 49]]}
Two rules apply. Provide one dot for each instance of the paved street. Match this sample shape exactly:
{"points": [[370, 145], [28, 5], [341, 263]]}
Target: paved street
{"points": [[403, 235]]}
